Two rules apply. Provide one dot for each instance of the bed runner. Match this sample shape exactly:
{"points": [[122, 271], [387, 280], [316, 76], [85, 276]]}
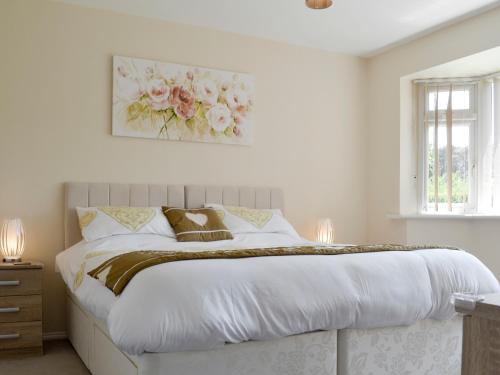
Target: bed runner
{"points": [[115, 273]]}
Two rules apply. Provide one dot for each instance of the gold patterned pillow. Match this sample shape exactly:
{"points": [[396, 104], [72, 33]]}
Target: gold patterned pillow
{"points": [[253, 220], [199, 224], [101, 222]]}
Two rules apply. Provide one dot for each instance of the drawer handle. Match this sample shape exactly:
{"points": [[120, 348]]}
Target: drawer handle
{"points": [[9, 309], [10, 283], [10, 336]]}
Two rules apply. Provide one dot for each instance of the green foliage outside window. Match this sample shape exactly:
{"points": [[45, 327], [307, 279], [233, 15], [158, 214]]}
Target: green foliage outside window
{"points": [[460, 185]]}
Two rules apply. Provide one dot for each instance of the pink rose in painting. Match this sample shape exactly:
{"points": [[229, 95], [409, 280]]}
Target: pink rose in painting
{"points": [[183, 102], [242, 125], [206, 91], [219, 117], [181, 95], [184, 111], [159, 94], [239, 118]]}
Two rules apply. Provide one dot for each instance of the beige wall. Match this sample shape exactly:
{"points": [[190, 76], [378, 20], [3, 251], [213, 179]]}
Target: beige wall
{"points": [[55, 122], [482, 237]]}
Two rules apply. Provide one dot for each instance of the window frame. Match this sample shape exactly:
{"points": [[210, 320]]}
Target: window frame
{"points": [[422, 100]]}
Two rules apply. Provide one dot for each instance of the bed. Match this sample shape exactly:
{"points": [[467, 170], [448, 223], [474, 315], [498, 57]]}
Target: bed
{"points": [[407, 326]]}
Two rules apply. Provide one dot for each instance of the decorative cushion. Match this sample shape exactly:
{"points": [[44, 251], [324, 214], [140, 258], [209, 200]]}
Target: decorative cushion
{"points": [[199, 224], [251, 220], [101, 222]]}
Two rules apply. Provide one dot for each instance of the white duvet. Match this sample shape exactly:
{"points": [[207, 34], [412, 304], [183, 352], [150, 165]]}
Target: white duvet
{"points": [[203, 304]]}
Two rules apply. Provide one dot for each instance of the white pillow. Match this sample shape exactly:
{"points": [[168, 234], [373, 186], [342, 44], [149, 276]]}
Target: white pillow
{"points": [[100, 222], [250, 220]]}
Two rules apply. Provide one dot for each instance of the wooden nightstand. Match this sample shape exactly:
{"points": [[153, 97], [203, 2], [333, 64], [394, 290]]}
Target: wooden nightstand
{"points": [[20, 310], [481, 340]]}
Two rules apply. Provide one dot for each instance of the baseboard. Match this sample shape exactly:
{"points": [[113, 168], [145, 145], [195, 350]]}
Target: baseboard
{"points": [[61, 335]]}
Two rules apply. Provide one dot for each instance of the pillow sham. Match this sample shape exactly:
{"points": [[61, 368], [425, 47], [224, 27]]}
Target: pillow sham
{"points": [[251, 220], [101, 222], [199, 224]]}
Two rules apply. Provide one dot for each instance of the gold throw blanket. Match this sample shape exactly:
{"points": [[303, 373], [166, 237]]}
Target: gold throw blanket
{"points": [[116, 272]]}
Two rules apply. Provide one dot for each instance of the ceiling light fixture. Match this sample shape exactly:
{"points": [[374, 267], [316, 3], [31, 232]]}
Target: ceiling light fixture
{"points": [[319, 4]]}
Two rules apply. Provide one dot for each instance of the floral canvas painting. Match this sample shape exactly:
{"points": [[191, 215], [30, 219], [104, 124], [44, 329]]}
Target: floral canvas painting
{"points": [[177, 102]]}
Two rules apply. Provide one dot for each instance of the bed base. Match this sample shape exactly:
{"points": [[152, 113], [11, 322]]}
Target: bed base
{"points": [[427, 347]]}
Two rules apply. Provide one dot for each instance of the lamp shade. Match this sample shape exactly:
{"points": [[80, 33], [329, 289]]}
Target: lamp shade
{"points": [[318, 4], [324, 231], [12, 240]]}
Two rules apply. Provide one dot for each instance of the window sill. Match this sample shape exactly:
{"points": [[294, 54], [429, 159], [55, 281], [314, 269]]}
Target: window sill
{"points": [[442, 217]]}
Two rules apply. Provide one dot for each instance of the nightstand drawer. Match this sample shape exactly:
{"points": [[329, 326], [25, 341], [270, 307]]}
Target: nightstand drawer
{"points": [[20, 282], [20, 335], [20, 308]]}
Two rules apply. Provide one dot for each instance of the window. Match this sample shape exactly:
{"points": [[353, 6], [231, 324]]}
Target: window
{"points": [[459, 133]]}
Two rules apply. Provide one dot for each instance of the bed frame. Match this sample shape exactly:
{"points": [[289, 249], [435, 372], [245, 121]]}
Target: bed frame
{"points": [[427, 347]]}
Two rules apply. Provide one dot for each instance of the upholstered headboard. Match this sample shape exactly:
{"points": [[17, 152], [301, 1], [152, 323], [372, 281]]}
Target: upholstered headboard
{"points": [[79, 194]]}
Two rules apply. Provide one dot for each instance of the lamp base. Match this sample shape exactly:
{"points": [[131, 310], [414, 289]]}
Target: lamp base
{"points": [[11, 260]]}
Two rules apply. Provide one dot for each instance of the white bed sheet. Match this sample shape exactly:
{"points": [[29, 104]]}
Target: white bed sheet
{"points": [[203, 304]]}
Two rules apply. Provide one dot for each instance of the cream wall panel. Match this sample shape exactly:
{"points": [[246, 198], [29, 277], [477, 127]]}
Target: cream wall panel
{"points": [[98, 195], [230, 196], [175, 196], [157, 195], [139, 195], [119, 195], [78, 196], [247, 197], [213, 194], [195, 196], [277, 199], [262, 198]]}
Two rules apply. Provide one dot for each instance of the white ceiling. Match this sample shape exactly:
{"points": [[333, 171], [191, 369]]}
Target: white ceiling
{"points": [[482, 63], [357, 27]]}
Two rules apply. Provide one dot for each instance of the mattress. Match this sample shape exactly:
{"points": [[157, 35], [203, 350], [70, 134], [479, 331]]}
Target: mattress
{"points": [[203, 304]]}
